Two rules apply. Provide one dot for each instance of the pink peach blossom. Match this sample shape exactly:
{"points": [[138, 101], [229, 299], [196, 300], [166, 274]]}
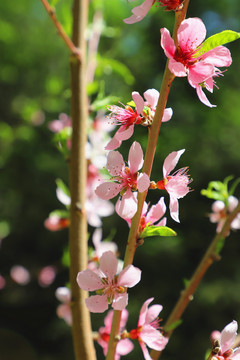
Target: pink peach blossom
{"points": [[124, 346], [20, 275], [111, 287], [222, 210], [100, 248], [127, 117], [46, 275], [175, 184], [226, 343], [63, 294], [139, 12], [147, 331], [187, 60], [152, 215], [55, 223], [125, 180], [58, 125]]}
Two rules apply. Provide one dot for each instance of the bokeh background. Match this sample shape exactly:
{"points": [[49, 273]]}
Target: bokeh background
{"points": [[34, 75]]}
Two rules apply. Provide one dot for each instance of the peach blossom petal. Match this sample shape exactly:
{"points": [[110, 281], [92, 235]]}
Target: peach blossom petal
{"points": [[108, 190], [97, 303], [108, 264], [89, 280]]}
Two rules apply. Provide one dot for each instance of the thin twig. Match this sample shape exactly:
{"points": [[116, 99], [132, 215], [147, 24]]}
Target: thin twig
{"points": [[73, 49], [210, 256]]}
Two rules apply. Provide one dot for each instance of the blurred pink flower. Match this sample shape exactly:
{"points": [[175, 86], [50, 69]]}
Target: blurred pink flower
{"points": [[175, 184], [139, 12], [226, 343], [63, 294], [221, 211], [20, 275], [55, 223], [125, 180], [111, 287], [58, 125], [186, 60], [100, 248], [147, 333], [46, 276], [124, 346], [2, 282]]}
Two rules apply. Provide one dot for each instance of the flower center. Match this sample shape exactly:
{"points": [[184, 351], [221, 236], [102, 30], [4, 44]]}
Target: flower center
{"points": [[129, 180], [111, 288], [185, 57]]}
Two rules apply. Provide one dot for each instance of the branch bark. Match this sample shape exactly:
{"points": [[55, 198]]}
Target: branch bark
{"points": [[82, 332], [154, 130], [211, 255]]}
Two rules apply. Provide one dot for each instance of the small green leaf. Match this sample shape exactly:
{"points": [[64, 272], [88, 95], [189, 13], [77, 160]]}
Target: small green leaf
{"points": [[234, 185], [66, 258], [131, 103], [173, 326], [100, 104], [62, 214], [219, 245], [157, 231], [63, 187], [186, 282], [221, 38]]}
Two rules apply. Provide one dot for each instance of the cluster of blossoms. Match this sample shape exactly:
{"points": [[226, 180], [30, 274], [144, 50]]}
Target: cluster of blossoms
{"points": [[111, 286], [221, 210], [95, 154]]}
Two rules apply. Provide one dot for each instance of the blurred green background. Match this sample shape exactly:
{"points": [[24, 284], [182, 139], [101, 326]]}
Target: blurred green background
{"points": [[34, 75]]}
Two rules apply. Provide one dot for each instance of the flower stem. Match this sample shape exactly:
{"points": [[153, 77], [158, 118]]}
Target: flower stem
{"points": [[154, 130], [82, 332], [211, 255]]}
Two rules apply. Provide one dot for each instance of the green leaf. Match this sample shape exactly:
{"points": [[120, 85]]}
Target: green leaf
{"points": [[219, 245], [157, 231], [234, 185], [131, 103], [108, 66], [221, 38], [53, 2], [173, 326], [62, 214], [100, 104], [66, 258], [63, 187], [186, 282]]}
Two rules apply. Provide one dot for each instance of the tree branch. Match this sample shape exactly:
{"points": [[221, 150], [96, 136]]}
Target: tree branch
{"points": [[82, 332]]}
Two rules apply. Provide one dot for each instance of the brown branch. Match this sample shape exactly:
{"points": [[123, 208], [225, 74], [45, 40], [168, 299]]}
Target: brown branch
{"points": [[82, 332], [154, 130], [73, 49], [211, 255]]}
